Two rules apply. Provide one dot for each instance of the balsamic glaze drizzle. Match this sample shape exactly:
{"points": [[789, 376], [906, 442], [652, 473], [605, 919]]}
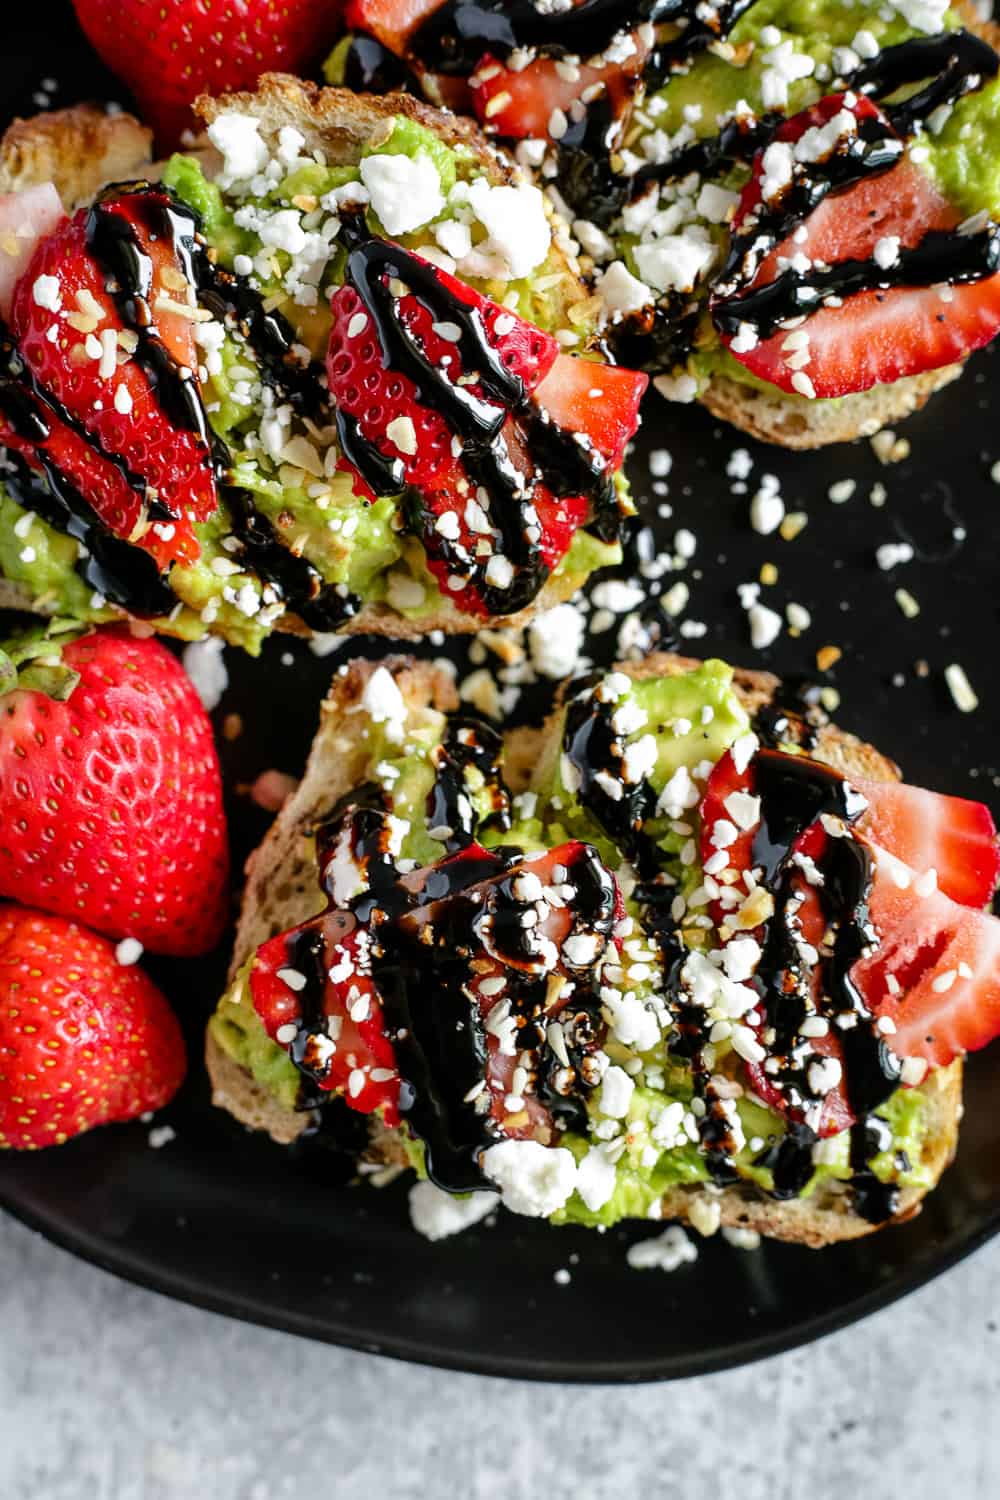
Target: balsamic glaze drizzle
{"points": [[119, 572], [423, 939], [795, 791]]}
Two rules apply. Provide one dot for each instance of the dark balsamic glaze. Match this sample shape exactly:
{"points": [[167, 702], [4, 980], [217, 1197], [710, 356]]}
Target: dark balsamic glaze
{"points": [[425, 933], [943, 256], [370, 68], [477, 415], [115, 243], [322, 606], [468, 745], [123, 574], [794, 715], [796, 791], [455, 36], [959, 63]]}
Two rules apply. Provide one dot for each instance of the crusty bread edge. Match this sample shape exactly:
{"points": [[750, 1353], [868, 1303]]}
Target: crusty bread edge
{"points": [[285, 858]]}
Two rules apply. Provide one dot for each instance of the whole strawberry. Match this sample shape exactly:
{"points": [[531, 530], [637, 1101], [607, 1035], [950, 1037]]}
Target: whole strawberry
{"points": [[170, 51], [110, 791], [84, 1040]]}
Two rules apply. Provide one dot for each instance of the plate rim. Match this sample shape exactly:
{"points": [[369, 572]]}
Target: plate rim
{"points": [[745, 1351]]}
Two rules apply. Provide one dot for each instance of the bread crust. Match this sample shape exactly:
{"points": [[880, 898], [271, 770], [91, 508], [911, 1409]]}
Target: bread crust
{"points": [[80, 150], [794, 422], [282, 890]]}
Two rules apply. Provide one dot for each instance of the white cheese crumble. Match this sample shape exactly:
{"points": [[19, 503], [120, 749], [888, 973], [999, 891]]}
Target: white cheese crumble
{"points": [[533, 1179], [237, 136], [621, 292], [515, 222], [405, 190], [384, 703], [555, 640], [46, 293], [128, 952], [667, 1252], [437, 1215]]}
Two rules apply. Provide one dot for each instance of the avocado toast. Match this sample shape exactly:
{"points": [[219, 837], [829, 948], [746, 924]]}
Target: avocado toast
{"points": [[675, 937], [812, 322], [186, 373]]}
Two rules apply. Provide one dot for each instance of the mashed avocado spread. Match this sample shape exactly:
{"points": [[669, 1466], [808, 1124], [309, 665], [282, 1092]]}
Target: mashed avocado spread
{"points": [[270, 212], [641, 1136]]}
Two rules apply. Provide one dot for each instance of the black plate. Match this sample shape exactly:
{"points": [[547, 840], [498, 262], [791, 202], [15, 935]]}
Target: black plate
{"points": [[230, 1222]]}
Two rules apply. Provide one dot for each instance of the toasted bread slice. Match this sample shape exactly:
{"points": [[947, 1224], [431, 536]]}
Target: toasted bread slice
{"points": [[83, 149], [282, 891]]}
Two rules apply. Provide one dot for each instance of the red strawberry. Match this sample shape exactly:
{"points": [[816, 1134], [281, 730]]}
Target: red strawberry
{"points": [[557, 521], [875, 337], [170, 51], [936, 971], [354, 1057], [954, 837], [392, 22], [522, 103], [378, 397], [84, 1040], [599, 400], [119, 407], [111, 800]]}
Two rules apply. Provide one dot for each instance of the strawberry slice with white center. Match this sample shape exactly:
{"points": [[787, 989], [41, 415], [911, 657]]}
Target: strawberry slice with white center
{"points": [[876, 336], [936, 971], [953, 836], [25, 218], [538, 101]]}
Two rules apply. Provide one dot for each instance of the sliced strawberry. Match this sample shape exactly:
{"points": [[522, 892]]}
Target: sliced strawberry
{"points": [[25, 218], [159, 461], [352, 1055], [599, 400], [879, 336], [452, 549], [378, 398], [392, 22], [927, 831], [936, 971], [521, 103]]}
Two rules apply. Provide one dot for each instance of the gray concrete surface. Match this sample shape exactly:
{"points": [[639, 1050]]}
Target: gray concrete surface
{"points": [[111, 1393]]}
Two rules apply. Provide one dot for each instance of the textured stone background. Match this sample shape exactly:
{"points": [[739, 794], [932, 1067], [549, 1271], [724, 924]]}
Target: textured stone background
{"points": [[111, 1393]]}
